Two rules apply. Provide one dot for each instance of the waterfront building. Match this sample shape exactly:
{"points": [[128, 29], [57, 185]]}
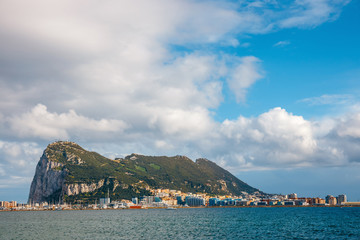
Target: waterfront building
{"points": [[327, 199], [180, 200], [169, 202], [341, 199], [104, 202], [243, 203], [302, 203], [273, 203], [193, 201], [352, 204], [135, 200], [289, 203], [317, 201], [213, 202], [332, 201], [147, 200]]}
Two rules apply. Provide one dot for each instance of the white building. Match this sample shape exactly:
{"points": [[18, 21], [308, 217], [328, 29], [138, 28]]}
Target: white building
{"points": [[104, 202]]}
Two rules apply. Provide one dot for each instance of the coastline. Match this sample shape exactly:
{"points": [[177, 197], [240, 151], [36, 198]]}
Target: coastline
{"points": [[177, 208]]}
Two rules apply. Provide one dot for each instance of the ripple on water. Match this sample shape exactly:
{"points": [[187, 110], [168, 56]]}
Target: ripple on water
{"points": [[216, 223]]}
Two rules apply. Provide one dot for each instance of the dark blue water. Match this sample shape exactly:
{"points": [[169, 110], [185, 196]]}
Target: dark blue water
{"points": [[219, 223]]}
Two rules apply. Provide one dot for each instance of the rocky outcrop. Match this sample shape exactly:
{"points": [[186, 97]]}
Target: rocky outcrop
{"points": [[48, 180], [49, 183], [77, 188]]}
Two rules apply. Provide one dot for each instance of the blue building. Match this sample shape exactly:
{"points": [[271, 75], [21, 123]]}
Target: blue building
{"points": [[193, 201], [213, 202], [262, 204], [179, 200]]}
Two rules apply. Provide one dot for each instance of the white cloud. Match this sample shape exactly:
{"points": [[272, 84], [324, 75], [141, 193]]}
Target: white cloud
{"points": [[43, 124], [349, 126], [245, 74], [281, 43], [326, 99], [310, 13], [18, 159], [274, 139]]}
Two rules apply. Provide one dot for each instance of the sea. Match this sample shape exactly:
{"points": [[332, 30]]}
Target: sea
{"points": [[186, 223]]}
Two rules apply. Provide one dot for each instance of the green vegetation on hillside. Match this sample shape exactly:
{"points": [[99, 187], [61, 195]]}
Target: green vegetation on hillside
{"points": [[138, 172]]}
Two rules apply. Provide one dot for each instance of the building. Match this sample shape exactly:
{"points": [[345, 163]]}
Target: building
{"points": [[193, 201], [327, 198], [289, 203], [147, 200], [332, 201], [243, 203], [341, 199], [104, 202], [352, 204], [135, 200], [292, 196], [180, 200], [317, 201], [213, 202]]}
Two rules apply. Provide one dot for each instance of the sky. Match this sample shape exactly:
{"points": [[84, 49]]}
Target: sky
{"points": [[269, 90]]}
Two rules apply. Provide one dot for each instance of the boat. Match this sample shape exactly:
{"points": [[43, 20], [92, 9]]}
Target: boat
{"points": [[170, 208]]}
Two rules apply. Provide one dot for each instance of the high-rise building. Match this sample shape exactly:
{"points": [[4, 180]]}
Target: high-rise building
{"points": [[194, 201], [104, 202], [146, 200], [135, 200], [213, 202], [341, 199], [180, 200]]}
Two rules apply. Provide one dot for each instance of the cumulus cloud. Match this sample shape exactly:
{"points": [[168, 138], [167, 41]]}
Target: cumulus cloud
{"points": [[17, 160], [243, 76], [46, 125], [274, 139]]}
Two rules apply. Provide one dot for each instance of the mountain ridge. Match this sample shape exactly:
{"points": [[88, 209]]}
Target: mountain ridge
{"points": [[68, 172]]}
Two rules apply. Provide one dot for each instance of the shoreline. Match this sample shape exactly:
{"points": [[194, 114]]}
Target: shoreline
{"points": [[149, 208]]}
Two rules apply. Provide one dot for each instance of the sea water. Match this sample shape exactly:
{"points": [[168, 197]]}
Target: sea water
{"points": [[187, 223]]}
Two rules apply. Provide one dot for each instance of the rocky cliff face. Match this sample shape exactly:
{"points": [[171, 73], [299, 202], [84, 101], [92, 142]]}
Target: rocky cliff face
{"points": [[49, 183], [48, 180], [77, 188]]}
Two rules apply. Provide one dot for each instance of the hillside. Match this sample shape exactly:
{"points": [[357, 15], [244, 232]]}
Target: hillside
{"points": [[68, 172]]}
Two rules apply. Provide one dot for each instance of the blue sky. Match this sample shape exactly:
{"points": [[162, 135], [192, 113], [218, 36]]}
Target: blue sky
{"points": [[266, 89], [323, 60]]}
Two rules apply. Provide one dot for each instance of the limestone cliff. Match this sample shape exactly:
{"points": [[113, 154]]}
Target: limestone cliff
{"points": [[48, 180], [49, 183]]}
